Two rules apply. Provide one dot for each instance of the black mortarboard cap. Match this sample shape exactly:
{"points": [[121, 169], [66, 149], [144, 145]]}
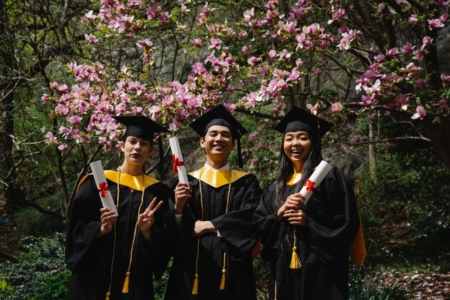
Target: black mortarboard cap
{"points": [[297, 119], [143, 128], [219, 115]]}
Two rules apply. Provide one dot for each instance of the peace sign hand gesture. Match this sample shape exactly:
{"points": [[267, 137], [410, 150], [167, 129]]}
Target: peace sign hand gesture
{"points": [[147, 218]]}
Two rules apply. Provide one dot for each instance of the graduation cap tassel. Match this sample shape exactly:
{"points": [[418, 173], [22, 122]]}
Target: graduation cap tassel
{"points": [[195, 287], [224, 273], [126, 283], [295, 260], [239, 153], [107, 295]]}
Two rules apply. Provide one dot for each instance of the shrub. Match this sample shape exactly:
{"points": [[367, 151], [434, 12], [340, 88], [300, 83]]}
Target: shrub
{"points": [[41, 269]]}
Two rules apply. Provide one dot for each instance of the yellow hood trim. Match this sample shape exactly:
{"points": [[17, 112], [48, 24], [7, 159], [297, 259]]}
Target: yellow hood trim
{"points": [[294, 178], [216, 178], [133, 182]]}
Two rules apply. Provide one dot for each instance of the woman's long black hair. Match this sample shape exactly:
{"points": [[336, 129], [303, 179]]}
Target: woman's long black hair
{"points": [[286, 168]]}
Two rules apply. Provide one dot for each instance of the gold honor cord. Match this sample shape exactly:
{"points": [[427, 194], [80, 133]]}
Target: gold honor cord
{"points": [[222, 282], [295, 260], [275, 290], [127, 275]]}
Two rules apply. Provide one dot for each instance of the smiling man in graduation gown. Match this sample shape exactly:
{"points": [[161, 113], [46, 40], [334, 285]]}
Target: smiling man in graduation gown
{"points": [[115, 257], [213, 214]]}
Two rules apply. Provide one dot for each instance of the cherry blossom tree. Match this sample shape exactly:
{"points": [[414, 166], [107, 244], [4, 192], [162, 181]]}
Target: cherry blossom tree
{"points": [[342, 56]]}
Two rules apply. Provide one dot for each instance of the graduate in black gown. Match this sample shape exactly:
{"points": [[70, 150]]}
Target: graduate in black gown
{"points": [[115, 257], [214, 213], [308, 245]]}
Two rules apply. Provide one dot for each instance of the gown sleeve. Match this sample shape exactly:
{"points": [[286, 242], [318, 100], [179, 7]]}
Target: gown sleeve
{"points": [[236, 226], [332, 217], [271, 231], [83, 224]]}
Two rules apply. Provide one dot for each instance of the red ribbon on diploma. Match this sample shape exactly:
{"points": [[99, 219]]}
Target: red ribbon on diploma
{"points": [[176, 163], [103, 188], [310, 185]]}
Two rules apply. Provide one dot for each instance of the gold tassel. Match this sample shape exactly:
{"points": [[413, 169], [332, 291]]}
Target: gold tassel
{"points": [[126, 283], [195, 287], [222, 282], [107, 295], [295, 261]]}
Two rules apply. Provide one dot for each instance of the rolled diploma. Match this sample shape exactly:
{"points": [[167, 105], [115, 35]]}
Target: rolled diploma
{"points": [[317, 176], [176, 150], [99, 177]]}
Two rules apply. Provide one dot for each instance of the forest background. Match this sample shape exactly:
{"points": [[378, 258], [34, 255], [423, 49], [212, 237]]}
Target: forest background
{"points": [[378, 70]]}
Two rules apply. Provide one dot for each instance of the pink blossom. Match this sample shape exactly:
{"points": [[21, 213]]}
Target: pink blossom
{"points": [[441, 3], [230, 106], [392, 52], [62, 147], [312, 29], [419, 54], [443, 103], [421, 83], [45, 98], [407, 49], [435, 23], [197, 42], [90, 38], [244, 49], [74, 120], [249, 14], [400, 102], [215, 44], [336, 107], [49, 138], [272, 54], [379, 58], [427, 41], [252, 60], [294, 75], [445, 79], [64, 131], [144, 43], [365, 100], [137, 110], [285, 54], [420, 112], [443, 18], [412, 20], [313, 109], [381, 6]]}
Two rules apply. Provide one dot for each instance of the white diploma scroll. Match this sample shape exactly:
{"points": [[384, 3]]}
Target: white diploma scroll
{"points": [[177, 157], [316, 178], [102, 186]]}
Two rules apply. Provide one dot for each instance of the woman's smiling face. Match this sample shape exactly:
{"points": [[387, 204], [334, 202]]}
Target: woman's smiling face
{"points": [[297, 146]]}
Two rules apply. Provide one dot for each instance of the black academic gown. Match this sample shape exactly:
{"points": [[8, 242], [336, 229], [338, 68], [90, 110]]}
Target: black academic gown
{"points": [[238, 238], [91, 260], [323, 245]]}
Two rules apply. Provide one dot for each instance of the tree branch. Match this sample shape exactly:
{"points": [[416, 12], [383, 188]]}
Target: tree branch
{"points": [[8, 257]]}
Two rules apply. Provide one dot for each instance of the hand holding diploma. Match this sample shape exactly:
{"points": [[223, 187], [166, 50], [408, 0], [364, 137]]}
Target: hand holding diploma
{"points": [[183, 189], [316, 178], [102, 186], [177, 157]]}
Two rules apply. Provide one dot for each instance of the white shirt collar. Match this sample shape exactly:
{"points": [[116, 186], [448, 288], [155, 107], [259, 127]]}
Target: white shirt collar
{"points": [[226, 167]]}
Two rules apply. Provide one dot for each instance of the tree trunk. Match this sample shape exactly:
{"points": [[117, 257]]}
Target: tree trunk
{"points": [[372, 158], [438, 130], [8, 66]]}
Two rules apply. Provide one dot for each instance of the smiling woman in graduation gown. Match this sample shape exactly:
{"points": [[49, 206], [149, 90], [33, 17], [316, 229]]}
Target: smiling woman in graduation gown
{"points": [[101, 265], [323, 243], [216, 264]]}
